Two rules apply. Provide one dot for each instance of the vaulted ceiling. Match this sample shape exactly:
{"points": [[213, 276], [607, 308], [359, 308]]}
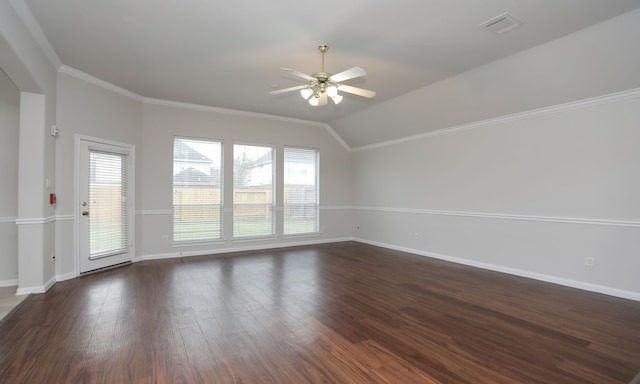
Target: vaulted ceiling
{"points": [[228, 53]]}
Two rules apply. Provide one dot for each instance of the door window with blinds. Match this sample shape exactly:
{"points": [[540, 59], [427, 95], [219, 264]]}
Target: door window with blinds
{"points": [[197, 190], [300, 190], [108, 219], [253, 191]]}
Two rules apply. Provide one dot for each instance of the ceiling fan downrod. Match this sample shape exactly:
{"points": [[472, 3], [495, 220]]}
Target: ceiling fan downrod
{"points": [[322, 76]]}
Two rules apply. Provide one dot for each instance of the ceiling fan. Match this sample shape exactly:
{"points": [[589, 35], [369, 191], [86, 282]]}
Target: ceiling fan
{"points": [[323, 85]]}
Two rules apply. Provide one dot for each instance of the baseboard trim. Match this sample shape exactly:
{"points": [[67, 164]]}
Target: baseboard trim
{"points": [[8, 283], [66, 276], [37, 289], [630, 295]]}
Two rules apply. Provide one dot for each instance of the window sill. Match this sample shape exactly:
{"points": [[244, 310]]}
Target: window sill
{"points": [[298, 235], [177, 244], [250, 239]]}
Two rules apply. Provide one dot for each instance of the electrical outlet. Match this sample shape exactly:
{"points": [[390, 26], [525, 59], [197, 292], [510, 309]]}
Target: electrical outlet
{"points": [[590, 261]]}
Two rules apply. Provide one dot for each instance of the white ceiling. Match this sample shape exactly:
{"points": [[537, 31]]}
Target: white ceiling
{"points": [[228, 54]]}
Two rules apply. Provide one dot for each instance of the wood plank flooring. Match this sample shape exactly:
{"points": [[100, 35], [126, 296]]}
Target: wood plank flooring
{"points": [[334, 313]]}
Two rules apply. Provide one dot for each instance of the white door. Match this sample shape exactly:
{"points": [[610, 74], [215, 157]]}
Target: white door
{"points": [[104, 212]]}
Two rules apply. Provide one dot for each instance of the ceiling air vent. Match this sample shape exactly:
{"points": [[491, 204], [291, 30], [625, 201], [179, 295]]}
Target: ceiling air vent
{"points": [[502, 23]]}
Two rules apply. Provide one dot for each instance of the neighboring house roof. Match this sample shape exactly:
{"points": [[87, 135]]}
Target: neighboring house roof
{"points": [[192, 176], [267, 158], [183, 152]]}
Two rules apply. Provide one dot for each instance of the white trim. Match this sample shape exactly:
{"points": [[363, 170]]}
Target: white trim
{"points": [[206, 108], [34, 29], [237, 249], [8, 283], [36, 220], [97, 140], [285, 236], [197, 243], [66, 276], [197, 107], [516, 272], [230, 210], [598, 100], [131, 150], [553, 219], [338, 138], [100, 83], [335, 207], [37, 289], [155, 212]]}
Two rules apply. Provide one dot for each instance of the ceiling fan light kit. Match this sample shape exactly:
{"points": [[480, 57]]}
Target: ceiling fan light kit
{"points": [[323, 85]]}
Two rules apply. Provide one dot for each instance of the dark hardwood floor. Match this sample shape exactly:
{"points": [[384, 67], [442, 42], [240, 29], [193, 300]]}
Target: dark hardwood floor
{"points": [[335, 313]]}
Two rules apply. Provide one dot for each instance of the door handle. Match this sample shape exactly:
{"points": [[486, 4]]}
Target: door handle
{"points": [[85, 213]]}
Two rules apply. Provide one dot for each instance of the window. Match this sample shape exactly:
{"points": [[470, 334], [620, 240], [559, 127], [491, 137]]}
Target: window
{"points": [[108, 224], [197, 190], [253, 194], [300, 190]]}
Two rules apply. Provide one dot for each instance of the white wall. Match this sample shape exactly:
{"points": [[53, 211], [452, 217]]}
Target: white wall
{"points": [[86, 108], [30, 69], [163, 120], [479, 180], [9, 129], [599, 60], [90, 107], [534, 195]]}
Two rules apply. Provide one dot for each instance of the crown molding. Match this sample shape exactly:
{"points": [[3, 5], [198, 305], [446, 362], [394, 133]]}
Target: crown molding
{"points": [[584, 103], [235, 112], [206, 108], [24, 13], [98, 82]]}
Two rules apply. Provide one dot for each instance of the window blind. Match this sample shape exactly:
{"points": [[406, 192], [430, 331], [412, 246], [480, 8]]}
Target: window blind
{"points": [[197, 190], [253, 191], [300, 190], [108, 219]]}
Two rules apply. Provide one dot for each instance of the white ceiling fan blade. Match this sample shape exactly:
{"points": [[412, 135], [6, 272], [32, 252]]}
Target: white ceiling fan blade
{"points": [[323, 99], [298, 73], [356, 91], [284, 90], [348, 74]]}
